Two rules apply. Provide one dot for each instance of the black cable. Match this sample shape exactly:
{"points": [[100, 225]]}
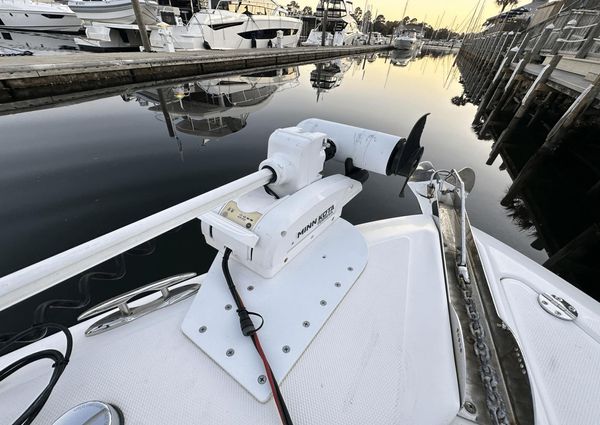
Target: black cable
{"points": [[248, 329], [60, 363]]}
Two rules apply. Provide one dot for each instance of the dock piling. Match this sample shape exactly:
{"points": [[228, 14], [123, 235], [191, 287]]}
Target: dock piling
{"points": [[554, 138], [526, 103]]}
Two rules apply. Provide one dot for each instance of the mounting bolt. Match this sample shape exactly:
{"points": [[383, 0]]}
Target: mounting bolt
{"points": [[470, 407], [350, 269], [285, 349], [338, 284], [262, 379], [323, 303], [230, 352], [250, 288], [306, 323], [202, 329], [228, 307]]}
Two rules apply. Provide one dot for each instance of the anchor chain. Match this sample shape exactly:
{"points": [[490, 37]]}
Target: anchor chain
{"points": [[489, 377]]}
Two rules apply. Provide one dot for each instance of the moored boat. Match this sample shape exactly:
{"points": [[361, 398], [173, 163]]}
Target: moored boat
{"points": [[406, 40], [38, 15], [114, 11], [337, 25], [232, 25]]}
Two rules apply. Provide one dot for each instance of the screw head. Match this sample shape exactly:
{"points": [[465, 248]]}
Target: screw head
{"points": [[250, 288], [230, 352], [323, 303], [202, 329], [306, 323], [338, 284], [544, 302], [470, 407], [228, 307], [285, 349], [350, 269], [262, 379]]}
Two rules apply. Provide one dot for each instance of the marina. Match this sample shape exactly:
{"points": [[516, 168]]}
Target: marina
{"points": [[307, 213]]}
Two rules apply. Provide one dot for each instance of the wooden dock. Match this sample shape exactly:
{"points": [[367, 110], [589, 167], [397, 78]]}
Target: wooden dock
{"points": [[26, 78], [537, 92]]}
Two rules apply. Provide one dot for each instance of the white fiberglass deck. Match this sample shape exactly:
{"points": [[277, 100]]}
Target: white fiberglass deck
{"points": [[384, 357]]}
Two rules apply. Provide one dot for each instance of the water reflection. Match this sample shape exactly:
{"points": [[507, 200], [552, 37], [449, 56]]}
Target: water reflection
{"points": [[403, 57], [214, 108], [329, 75]]}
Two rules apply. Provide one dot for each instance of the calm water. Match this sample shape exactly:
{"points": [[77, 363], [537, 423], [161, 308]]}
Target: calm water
{"points": [[72, 173]]}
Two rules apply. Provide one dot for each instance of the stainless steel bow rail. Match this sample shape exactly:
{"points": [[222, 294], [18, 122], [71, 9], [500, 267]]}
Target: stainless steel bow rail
{"points": [[31, 280], [493, 381]]}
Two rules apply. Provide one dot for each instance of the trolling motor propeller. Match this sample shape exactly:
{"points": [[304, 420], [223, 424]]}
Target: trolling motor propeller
{"points": [[406, 160]]}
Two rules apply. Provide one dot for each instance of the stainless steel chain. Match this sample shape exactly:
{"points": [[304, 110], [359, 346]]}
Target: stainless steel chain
{"points": [[494, 401]]}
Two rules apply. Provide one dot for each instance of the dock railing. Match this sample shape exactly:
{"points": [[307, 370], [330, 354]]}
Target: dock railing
{"points": [[574, 33]]}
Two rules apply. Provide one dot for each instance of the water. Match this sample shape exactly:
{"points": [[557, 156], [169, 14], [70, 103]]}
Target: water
{"points": [[75, 172]]}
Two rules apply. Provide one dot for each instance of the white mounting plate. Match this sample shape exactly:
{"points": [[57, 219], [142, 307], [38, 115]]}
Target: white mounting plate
{"points": [[306, 291]]}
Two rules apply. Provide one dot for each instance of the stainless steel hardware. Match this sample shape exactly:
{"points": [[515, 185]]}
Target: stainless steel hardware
{"points": [[127, 313], [91, 413], [557, 307]]}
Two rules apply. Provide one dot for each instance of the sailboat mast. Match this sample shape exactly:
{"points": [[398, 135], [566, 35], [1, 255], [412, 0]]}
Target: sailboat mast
{"points": [[405, 7]]}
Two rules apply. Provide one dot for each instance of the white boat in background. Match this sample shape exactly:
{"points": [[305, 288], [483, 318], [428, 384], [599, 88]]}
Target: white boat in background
{"points": [[231, 25], [37, 42], [406, 40], [305, 318], [114, 11], [38, 15], [342, 29]]}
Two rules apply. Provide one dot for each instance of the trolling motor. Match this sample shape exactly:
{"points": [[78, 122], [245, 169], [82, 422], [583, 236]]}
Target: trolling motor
{"points": [[266, 229], [286, 259]]}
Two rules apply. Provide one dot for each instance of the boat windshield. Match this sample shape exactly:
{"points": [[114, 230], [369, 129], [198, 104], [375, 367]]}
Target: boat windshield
{"points": [[335, 9], [251, 7]]}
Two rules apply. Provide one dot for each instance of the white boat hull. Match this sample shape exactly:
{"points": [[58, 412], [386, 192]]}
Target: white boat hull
{"points": [[340, 38], [228, 31], [33, 16], [114, 12], [36, 41]]}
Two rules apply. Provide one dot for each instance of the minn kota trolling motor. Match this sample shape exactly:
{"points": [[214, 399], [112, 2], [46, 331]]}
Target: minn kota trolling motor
{"points": [[287, 249]]}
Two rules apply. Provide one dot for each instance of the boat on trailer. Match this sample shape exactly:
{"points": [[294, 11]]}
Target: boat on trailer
{"points": [[231, 25], [38, 15], [306, 318]]}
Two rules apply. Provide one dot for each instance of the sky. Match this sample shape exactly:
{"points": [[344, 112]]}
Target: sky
{"points": [[459, 11]]}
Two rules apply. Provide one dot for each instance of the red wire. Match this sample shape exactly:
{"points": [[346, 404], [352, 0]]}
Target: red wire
{"points": [[270, 376]]}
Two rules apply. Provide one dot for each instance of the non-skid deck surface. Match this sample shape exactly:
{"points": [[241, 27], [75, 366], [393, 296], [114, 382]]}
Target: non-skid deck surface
{"points": [[384, 357]]}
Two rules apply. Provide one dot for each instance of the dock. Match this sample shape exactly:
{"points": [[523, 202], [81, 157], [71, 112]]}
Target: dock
{"points": [[538, 97], [32, 78]]}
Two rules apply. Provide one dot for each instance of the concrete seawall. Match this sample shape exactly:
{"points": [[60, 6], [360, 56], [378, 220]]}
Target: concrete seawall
{"points": [[32, 77]]}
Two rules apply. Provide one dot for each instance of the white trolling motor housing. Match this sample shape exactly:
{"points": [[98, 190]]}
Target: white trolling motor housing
{"points": [[265, 233]]}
